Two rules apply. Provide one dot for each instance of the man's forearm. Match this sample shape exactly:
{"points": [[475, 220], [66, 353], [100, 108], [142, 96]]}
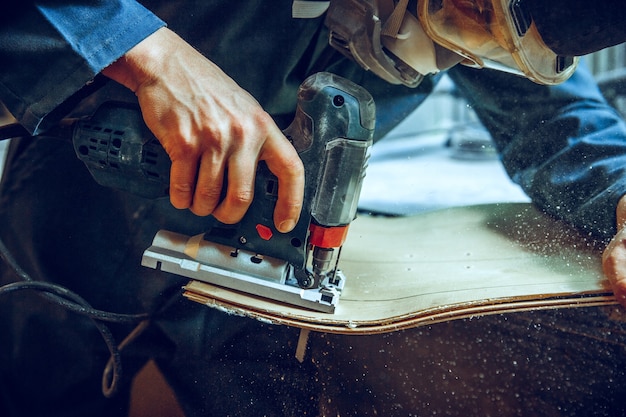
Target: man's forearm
{"points": [[137, 65]]}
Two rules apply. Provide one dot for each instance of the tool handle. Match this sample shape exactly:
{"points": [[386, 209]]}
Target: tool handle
{"points": [[121, 152]]}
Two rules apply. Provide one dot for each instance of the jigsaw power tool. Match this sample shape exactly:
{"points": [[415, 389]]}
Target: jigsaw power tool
{"points": [[332, 132]]}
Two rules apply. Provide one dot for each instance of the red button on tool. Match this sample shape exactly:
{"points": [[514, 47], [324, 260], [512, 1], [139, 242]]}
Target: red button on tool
{"points": [[264, 231]]}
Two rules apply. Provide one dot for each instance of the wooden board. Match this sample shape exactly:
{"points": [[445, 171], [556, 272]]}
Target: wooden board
{"points": [[404, 272]]}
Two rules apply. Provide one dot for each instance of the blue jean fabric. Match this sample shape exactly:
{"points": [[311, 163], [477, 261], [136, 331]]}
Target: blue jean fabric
{"points": [[564, 145]]}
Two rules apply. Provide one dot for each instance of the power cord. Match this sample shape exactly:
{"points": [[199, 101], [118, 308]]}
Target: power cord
{"points": [[70, 300]]}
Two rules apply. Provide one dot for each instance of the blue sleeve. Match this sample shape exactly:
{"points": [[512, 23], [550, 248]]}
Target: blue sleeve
{"points": [[564, 145], [50, 49]]}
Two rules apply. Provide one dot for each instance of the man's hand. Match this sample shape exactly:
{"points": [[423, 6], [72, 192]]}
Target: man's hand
{"points": [[614, 256], [210, 128]]}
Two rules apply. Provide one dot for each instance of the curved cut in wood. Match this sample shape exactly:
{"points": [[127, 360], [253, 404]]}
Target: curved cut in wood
{"points": [[404, 272]]}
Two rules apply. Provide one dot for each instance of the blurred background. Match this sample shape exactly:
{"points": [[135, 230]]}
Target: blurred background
{"points": [[441, 156]]}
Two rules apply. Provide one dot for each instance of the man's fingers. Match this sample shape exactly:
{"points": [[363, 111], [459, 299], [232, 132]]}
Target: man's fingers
{"points": [[284, 162], [240, 189], [290, 196], [196, 182], [208, 189], [614, 265], [182, 182]]}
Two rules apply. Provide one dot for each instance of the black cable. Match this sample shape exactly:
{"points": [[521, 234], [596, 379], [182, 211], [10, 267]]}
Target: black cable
{"points": [[114, 376], [80, 307], [63, 296], [70, 300]]}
